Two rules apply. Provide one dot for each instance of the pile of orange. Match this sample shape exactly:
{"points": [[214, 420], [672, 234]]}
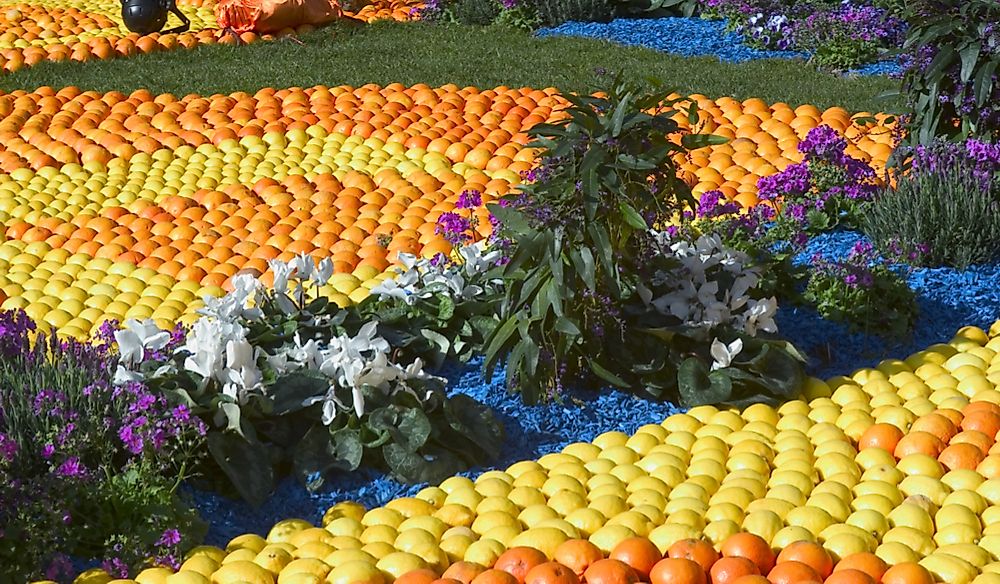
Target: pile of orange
{"points": [[193, 190], [82, 30]]}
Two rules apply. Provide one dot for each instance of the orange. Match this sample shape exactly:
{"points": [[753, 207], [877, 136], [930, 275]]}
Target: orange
{"points": [[418, 576], [727, 570], [677, 571], [918, 442], [517, 561], [984, 421], [610, 572], [974, 437], [937, 424], [577, 555], [884, 436], [792, 572], [866, 562], [810, 554], [752, 547], [551, 573], [464, 572], [641, 554], [907, 573], [962, 456], [494, 576], [697, 550], [850, 576], [751, 579]]}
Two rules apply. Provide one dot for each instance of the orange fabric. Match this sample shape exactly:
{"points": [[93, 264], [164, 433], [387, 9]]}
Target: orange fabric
{"points": [[273, 15]]}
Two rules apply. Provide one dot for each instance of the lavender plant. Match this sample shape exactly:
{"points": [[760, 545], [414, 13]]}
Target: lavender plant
{"points": [[862, 291], [945, 209], [87, 470]]}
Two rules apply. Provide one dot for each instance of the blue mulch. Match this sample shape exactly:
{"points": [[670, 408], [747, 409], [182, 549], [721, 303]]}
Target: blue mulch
{"points": [[948, 299], [688, 37]]}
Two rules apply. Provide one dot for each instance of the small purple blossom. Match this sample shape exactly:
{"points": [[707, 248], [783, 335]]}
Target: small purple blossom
{"points": [[71, 467], [453, 227], [470, 199], [47, 451], [170, 537]]}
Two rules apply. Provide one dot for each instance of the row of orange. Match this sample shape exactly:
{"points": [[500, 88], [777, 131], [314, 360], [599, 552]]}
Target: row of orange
{"points": [[82, 30], [195, 189]]}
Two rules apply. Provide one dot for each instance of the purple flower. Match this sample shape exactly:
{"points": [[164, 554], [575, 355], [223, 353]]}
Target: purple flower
{"points": [[453, 227], [8, 448], [47, 451], [471, 199], [71, 467], [710, 205], [170, 537], [116, 567]]}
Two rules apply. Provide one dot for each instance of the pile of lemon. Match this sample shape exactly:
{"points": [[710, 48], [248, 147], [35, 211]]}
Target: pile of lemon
{"points": [[787, 474]]}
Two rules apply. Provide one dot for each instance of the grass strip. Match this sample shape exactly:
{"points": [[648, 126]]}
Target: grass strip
{"points": [[416, 52]]}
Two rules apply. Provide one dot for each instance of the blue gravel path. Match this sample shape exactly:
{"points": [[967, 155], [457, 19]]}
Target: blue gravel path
{"points": [[531, 431], [948, 299], [689, 37]]}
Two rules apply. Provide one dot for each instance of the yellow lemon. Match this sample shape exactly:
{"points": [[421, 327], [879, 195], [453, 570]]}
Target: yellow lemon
{"points": [[240, 572], [484, 552], [355, 571], [187, 577], [893, 553], [947, 568]]}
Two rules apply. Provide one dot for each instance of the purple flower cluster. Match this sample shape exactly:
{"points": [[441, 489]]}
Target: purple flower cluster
{"points": [[453, 227], [710, 206], [980, 159], [856, 270], [145, 426]]}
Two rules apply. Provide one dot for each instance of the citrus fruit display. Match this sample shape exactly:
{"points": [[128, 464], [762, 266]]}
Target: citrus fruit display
{"points": [[885, 475], [82, 30], [134, 206]]}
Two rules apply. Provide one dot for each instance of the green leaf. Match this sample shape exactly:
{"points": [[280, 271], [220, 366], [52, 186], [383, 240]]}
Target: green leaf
{"points": [[969, 55], [245, 463], [618, 116], [606, 375], [414, 429], [983, 84], [440, 342], [291, 392], [415, 468], [347, 448], [583, 261], [632, 217], [566, 327], [446, 307], [476, 422], [696, 141], [697, 386]]}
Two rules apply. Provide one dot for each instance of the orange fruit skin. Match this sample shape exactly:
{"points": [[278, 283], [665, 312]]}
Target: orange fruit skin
{"points": [[464, 572], [728, 570], [677, 571], [810, 554], [866, 562], [639, 553], [919, 442], [884, 436], [610, 572], [418, 576], [752, 547], [961, 456], [907, 573], [518, 561], [551, 573], [578, 555], [752, 579], [792, 572], [493, 576], [850, 576]]}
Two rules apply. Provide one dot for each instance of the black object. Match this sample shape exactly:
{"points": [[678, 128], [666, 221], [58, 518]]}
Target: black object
{"points": [[149, 16]]}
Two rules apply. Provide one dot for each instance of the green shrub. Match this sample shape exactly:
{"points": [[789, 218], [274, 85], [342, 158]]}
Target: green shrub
{"points": [[863, 292], [947, 214], [556, 12], [950, 81], [475, 12], [594, 297]]}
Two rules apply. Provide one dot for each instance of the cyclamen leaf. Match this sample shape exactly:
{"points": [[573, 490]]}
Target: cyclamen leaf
{"points": [[295, 391], [245, 463], [697, 386]]}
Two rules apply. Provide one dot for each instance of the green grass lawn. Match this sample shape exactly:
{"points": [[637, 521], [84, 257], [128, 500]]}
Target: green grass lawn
{"points": [[411, 53]]}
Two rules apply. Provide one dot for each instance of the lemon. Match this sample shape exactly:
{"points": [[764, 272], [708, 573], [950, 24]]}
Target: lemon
{"points": [[789, 535], [974, 554], [947, 568], [484, 552], [587, 520], [456, 546], [242, 571], [356, 571], [893, 553], [152, 575], [918, 541], [187, 577], [284, 530], [273, 558], [348, 509]]}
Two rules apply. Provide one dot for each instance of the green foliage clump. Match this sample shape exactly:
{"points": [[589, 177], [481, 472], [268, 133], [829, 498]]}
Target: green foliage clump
{"points": [[950, 80], [87, 469], [863, 292], [593, 296], [556, 12]]}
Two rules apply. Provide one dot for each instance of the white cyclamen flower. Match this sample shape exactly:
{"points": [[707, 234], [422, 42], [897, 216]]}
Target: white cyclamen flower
{"points": [[724, 354], [281, 271]]}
